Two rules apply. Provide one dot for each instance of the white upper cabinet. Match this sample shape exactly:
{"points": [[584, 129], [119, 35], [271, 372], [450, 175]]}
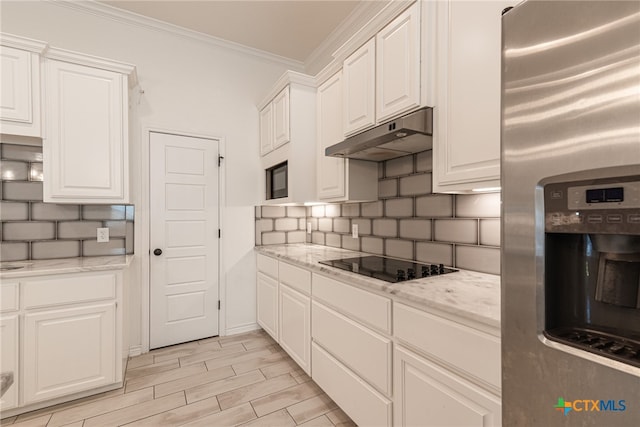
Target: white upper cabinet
{"points": [[398, 65], [466, 141], [339, 179], [359, 71], [281, 114], [274, 122], [20, 106], [382, 78], [266, 129], [86, 148]]}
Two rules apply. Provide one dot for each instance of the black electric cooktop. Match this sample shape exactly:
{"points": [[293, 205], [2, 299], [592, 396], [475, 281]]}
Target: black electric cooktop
{"points": [[388, 269]]}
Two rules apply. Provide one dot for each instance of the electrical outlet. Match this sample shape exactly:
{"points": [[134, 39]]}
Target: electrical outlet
{"points": [[103, 235], [309, 227], [354, 231]]}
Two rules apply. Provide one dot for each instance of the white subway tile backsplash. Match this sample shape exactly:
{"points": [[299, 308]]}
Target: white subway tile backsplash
{"points": [[317, 211], [342, 225], [478, 258], [273, 211], [78, 229], [104, 212], [28, 230], [296, 211], [350, 243], [415, 229], [116, 228], [399, 166], [286, 224], [317, 238], [14, 171], [266, 224], [490, 232], [258, 237], [55, 249], [296, 237], [258, 213], [387, 188], [456, 230], [26, 153], [53, 212], [364, 225], [385, 227], [434, 253], [36, 172], [424, 161], [325, 224], [398, 208], [371, 209], [333, 239], [372, 245], [415, 185], [14, 211], [112, 247], [436, 205], [351, 209], [14, 251], [302, 223], [399, 248], [22, 191], [274, 238], [478, 205], [332, 211]]}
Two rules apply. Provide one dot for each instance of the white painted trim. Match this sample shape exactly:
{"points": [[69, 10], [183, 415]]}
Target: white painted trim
{"points": [[143, 211], [130, 18], [135, 350], [242, 329], [23, 43], [95, 62]]}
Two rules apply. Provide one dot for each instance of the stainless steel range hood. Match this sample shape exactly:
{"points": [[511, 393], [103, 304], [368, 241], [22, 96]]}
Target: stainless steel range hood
{"points": [[405, 135]]}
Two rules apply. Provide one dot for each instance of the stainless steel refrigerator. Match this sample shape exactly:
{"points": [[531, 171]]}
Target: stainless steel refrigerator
{"points": [[571, 214]]}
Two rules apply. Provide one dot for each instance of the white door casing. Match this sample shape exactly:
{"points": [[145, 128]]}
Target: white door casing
{"points": [[184, 224]]}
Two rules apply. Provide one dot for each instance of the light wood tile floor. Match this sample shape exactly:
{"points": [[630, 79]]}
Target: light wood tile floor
{"points": [[244, 379]]}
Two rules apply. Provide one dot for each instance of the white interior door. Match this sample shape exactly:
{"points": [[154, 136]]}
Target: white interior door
{"points": [[183, 238]]}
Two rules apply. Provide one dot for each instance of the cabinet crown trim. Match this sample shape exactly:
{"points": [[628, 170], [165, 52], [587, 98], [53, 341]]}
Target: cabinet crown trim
{"points": [[287, 78], [23, 43], [94, 61]]}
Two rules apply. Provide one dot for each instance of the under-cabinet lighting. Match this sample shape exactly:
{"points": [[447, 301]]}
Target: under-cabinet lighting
{"points": [[486, 189], [314, 203]]}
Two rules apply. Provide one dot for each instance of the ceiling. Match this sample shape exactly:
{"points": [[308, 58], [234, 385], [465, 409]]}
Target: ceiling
{"points": [[292, 29]]}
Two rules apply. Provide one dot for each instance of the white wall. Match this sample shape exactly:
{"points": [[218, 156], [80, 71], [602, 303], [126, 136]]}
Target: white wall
{"points": [[190, 86]]}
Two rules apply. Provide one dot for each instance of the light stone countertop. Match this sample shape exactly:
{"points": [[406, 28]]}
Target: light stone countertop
{"points": [[467, 294], [64, 265]]}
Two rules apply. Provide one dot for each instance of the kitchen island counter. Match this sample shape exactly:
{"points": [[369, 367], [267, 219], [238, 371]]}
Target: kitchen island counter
{"points": [[466, 294]]}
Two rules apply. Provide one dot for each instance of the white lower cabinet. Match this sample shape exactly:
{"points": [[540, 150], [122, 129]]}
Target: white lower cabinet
{"points": [[295, 328], [69, 350], [267, 301], [428, 395], [9, 358], [356, 398]]}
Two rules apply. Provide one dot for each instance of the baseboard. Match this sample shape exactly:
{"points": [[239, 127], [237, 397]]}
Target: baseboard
{"points": [[135, 350], [242, 329]]}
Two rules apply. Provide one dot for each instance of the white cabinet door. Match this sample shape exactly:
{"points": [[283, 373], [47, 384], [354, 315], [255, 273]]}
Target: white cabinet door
{"points": [[398, 65], [359, 71], [69, 350], [9, 362], [281, 128], [267, 304], [20, 92], [331, 177], [266, 129], [86, 149], [466, 143], [295, 326], [427, 395]]}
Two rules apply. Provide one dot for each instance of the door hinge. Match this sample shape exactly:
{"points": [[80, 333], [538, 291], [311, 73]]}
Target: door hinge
{"points": [[219, 233], [220, 159], [218, 304]]}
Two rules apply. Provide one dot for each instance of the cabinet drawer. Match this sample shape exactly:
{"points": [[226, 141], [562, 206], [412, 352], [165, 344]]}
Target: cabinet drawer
{"points": [[268, 266], [359, 348], [295, 277], [356, 398], [69, 289], [470, 350], [371, 309], [9, 297]]}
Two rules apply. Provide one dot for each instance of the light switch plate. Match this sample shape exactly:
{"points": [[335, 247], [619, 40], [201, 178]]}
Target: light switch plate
{"points": [[354, 231], [103, 235], [308, 227]]}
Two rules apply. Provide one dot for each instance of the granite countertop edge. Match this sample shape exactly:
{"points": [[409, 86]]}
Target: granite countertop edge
{"points": [[65, 265], [466, 294]]}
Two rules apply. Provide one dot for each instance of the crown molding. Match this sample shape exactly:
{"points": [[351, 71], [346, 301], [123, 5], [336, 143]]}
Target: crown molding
{"points": [[23, 43], [134, 19], [287, 78], [95, 62]]}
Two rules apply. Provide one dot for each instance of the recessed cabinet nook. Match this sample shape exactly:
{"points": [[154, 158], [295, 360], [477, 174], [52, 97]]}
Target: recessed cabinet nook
{"points": [[83, 102]]}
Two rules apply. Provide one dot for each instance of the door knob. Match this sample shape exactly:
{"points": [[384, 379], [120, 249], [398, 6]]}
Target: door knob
{"points": [[157, 252]]}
